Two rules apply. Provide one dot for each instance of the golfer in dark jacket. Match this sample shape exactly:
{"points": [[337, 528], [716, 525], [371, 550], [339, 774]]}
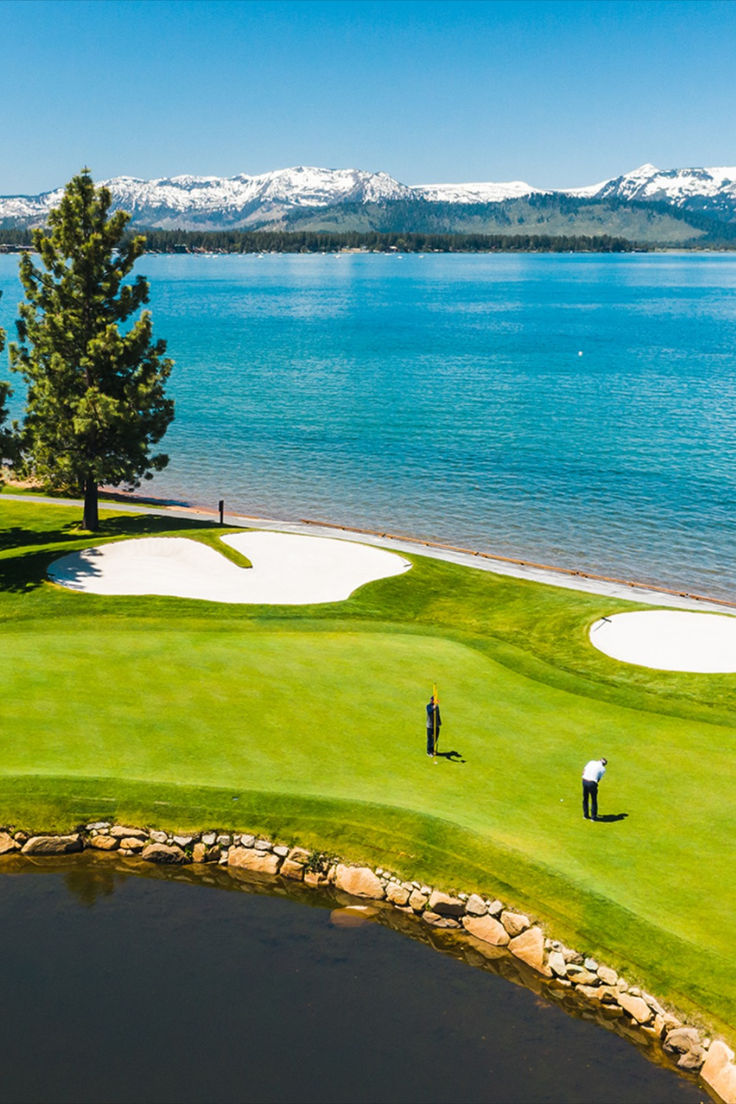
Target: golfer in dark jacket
{"points": [[433, 724]]}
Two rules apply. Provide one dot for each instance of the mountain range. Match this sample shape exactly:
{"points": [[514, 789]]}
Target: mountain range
{"points": [[671, 206]]}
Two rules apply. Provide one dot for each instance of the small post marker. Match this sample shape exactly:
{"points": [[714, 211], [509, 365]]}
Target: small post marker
{"points": [[221, 508]]}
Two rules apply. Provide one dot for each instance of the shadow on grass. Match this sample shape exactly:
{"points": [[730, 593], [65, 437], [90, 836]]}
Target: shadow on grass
{"points": [[22, 574], [17, 537], [27, 570], [609, 818], [20, 537], [451, 756]]}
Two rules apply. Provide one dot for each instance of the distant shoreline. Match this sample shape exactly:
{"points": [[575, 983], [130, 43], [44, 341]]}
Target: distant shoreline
{"points": [[510, 246], [259, 242]]}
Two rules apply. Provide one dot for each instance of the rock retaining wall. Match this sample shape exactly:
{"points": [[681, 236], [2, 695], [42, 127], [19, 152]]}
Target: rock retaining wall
{"points": [[494, 930]]}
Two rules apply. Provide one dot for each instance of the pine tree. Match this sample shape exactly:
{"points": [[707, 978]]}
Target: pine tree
{"points": [[96, 399], [5, 437], [9, 437]]}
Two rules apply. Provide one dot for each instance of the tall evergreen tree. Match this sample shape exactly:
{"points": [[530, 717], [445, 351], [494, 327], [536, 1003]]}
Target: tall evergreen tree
{"points": [[9, 440], [96, 398], [5, 438]]}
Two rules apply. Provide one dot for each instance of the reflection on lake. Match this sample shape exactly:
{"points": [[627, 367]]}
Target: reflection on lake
{"points": [[155, 988]]}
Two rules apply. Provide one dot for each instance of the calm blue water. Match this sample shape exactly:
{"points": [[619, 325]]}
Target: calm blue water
{"points": [[163, 990], [446, 397]]}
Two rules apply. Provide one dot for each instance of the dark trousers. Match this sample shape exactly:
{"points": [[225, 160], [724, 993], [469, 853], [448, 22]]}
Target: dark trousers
{"points": [[590, 790], [430, 741]]}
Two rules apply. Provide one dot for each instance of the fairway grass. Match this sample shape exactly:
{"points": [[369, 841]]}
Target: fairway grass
{"points": [[308, 724]]}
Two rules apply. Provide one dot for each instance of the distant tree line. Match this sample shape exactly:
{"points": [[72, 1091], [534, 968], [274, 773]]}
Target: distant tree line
{"points": [[15, 238], [324, 241], [311, 241]]}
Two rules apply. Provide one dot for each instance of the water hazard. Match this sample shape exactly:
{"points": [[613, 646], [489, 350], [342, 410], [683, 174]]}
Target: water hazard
{"points": [[155, 988]]}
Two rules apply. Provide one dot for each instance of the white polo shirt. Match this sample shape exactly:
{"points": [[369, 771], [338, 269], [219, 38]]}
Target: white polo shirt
{"points": [[594, 771]]}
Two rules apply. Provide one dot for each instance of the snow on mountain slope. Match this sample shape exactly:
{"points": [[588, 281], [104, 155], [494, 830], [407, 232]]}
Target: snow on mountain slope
{"points": [[277, 198], [677, 186], [226, 199], [28, 208], [476, 193], [588, 191], [298, 187]]}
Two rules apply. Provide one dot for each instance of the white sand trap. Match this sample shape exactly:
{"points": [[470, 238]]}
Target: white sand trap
{"points": [[287, 569], [669, 640]]}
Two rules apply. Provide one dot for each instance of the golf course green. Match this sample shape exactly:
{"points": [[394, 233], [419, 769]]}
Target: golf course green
{"points": [[307, 723]]}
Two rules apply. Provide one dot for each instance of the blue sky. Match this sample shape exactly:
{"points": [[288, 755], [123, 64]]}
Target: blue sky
{"points": [[558, 94]]}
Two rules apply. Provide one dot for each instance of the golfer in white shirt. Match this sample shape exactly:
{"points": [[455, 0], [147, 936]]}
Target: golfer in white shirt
{"points": [[594, 771]]}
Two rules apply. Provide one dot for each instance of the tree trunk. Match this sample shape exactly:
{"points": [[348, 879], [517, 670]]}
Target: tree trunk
{"points": [[91, 519]]}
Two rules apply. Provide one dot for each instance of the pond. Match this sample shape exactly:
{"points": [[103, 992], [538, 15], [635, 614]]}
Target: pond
{"points": [[163, 988]]}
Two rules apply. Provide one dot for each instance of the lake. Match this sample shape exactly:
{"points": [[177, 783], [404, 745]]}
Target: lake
{"points": [[157, 989], [575, 410]]}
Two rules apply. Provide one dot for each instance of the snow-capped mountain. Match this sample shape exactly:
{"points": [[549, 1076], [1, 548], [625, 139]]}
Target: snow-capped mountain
{"points": [[476, 193], [712, 191], [351, 198], [189, 201], [298, 187], [28, 210]]}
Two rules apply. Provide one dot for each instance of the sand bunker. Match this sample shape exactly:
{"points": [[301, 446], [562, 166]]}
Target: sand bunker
{"points": [[287, 569], [669, 640]]}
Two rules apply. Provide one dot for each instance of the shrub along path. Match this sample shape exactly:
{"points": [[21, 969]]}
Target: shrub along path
{"points": [[307, 723]]}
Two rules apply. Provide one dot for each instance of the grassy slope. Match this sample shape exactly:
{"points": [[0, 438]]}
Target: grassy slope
{"points": [[308, 723]]}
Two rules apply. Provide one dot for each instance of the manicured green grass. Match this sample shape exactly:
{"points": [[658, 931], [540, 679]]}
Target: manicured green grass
{"points": [[307, 723]]}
